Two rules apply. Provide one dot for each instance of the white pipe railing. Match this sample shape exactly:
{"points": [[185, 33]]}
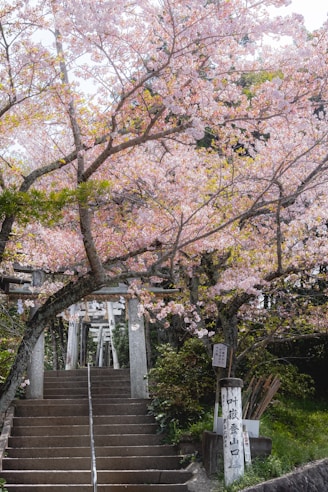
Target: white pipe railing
{"points": [[92, 441]]}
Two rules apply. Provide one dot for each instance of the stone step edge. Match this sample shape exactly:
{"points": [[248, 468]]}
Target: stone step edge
{"points": [[39, 448], [113, 486], [147, 471], [71, 436], [77, 401]]}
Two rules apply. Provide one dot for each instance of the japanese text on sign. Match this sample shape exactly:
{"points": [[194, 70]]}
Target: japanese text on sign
{"points": [[220, 355], [232, 439], [233, 451]]}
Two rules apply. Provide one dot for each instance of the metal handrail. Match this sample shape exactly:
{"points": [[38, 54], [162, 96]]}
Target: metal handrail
{"points": [[92, 441]]}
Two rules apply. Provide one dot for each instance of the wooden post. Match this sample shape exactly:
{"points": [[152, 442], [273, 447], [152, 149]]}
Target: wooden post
{"points": [[233, 449], [216, 405], [247, 448], [219, 360]]}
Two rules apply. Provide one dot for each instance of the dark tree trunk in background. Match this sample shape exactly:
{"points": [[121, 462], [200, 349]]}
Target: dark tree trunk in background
{"points": [[52, 329], [227, 323]]}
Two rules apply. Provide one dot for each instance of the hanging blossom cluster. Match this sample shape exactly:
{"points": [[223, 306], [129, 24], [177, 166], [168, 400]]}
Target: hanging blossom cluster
{"points": [[248, 285], [160, 311]]}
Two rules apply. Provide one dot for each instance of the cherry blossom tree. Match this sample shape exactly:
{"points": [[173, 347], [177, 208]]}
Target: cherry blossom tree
{"points": [[104, 110]]}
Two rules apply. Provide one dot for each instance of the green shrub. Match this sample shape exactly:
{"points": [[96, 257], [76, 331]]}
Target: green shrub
{"points": [[2, 485], [182, 385], [294, 384], [11, 331], [196, 429], [7, 355]]}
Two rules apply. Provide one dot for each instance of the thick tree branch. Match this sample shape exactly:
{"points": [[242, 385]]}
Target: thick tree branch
{"points": [[279, 233], [84, 212], [133, 142]]}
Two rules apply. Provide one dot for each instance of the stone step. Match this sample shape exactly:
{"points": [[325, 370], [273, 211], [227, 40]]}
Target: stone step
{"points": [[103, 451], [49, 446], [83, 372], [80, 408], [74, 392], [95, 380], [81, 420], [29, 477], [79, 383], [100, 488], [68, 383], [78, 394], [77, 430], [123, 383], [82, 385], [82, 401], [84, 440], [103, 463]]}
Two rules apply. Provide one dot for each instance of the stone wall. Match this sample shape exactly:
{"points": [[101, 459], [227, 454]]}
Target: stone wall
{"points": [[310, 478]]}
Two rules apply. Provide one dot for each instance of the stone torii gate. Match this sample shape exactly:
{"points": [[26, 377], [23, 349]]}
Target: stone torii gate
{"points": [[137, 343], [99, 317]]}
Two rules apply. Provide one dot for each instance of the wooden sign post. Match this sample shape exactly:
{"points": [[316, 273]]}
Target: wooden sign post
{"points": [[247, 448], [219, 359]]}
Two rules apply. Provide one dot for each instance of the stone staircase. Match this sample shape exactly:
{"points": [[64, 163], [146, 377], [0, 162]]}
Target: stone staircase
{"points": [[49, 446]]}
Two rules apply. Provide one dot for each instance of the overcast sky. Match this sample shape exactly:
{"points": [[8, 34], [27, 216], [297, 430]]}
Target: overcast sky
{"points": [[313, 11]]}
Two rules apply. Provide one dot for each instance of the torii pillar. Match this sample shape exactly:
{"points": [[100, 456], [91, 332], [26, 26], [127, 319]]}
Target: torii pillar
{"points": [[72, 342], [35, 371], [137, 347], [35, 366]]}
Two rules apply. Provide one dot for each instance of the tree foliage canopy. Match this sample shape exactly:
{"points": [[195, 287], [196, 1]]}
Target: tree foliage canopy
{"points": [[101, 107]]}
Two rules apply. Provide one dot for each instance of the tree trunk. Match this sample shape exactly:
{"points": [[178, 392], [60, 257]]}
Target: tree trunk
{"points": [[227, 321], [18, 370], [228, 324], [61, 300]]}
